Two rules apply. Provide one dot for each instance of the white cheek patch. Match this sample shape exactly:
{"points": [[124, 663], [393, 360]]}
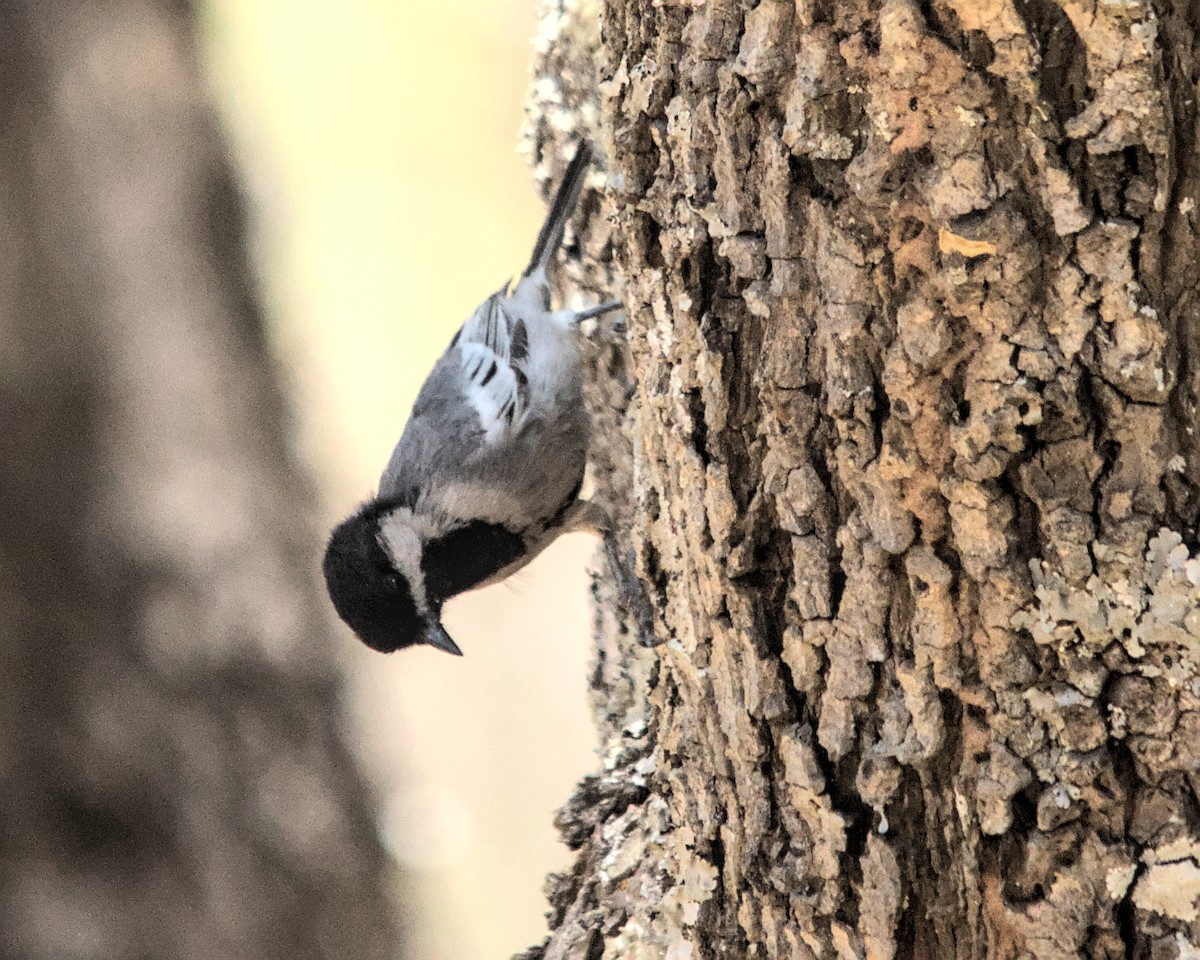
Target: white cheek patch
{"points": [[400, 537]]}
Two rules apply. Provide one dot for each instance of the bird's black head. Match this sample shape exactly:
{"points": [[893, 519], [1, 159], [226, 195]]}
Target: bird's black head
{"points": [[368, 592]]}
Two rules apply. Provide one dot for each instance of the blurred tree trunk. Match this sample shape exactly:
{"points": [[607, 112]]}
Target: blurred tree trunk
{"points": [[913, 309], [174, 779]]}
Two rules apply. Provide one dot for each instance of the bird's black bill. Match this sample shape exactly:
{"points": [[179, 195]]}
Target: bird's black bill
{"points": [[436, 636]]}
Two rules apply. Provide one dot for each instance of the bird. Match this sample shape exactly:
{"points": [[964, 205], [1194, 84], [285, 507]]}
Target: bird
{"points": [[490, 464]]}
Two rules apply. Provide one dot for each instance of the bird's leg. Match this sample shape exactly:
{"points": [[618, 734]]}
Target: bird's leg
{"points": [[589, 515], [574, 319], [597, 311]]}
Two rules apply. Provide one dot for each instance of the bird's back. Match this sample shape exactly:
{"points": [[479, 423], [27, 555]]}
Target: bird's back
{"points": [[499, 430]]}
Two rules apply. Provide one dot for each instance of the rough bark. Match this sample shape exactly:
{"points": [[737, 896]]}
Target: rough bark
{"points": [[913, 373], [173, 774]]}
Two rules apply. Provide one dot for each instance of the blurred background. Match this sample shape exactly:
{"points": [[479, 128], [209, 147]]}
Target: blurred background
{"points": [[378, 142], [376, 145]]}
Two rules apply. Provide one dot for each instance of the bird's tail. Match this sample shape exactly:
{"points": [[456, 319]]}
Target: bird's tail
{"points": [[551, 234]]}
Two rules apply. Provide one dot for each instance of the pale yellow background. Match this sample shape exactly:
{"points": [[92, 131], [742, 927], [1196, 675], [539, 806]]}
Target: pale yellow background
{"points": [[378, 140]]}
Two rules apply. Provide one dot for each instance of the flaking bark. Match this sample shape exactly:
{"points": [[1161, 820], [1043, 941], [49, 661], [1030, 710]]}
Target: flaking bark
{"points": [[911, 468]]}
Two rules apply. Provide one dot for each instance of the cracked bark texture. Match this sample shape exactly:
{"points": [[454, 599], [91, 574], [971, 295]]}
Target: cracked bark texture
{"points": [[904, 439], [174, 782]]}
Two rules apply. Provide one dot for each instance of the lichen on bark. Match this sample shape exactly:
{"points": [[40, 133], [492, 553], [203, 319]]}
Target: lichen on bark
{"points": [[910, 466]]}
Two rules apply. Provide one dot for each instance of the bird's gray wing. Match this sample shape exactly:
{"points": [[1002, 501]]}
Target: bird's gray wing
{"points": [[473, 402], [491, 348]]}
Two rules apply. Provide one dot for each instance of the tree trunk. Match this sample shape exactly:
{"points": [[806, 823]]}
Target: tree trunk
{"points": [[174, 779], [912, 294]]}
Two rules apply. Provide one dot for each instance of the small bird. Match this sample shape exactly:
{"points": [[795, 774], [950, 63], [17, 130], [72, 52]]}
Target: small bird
{"points": [[489, 468]]}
